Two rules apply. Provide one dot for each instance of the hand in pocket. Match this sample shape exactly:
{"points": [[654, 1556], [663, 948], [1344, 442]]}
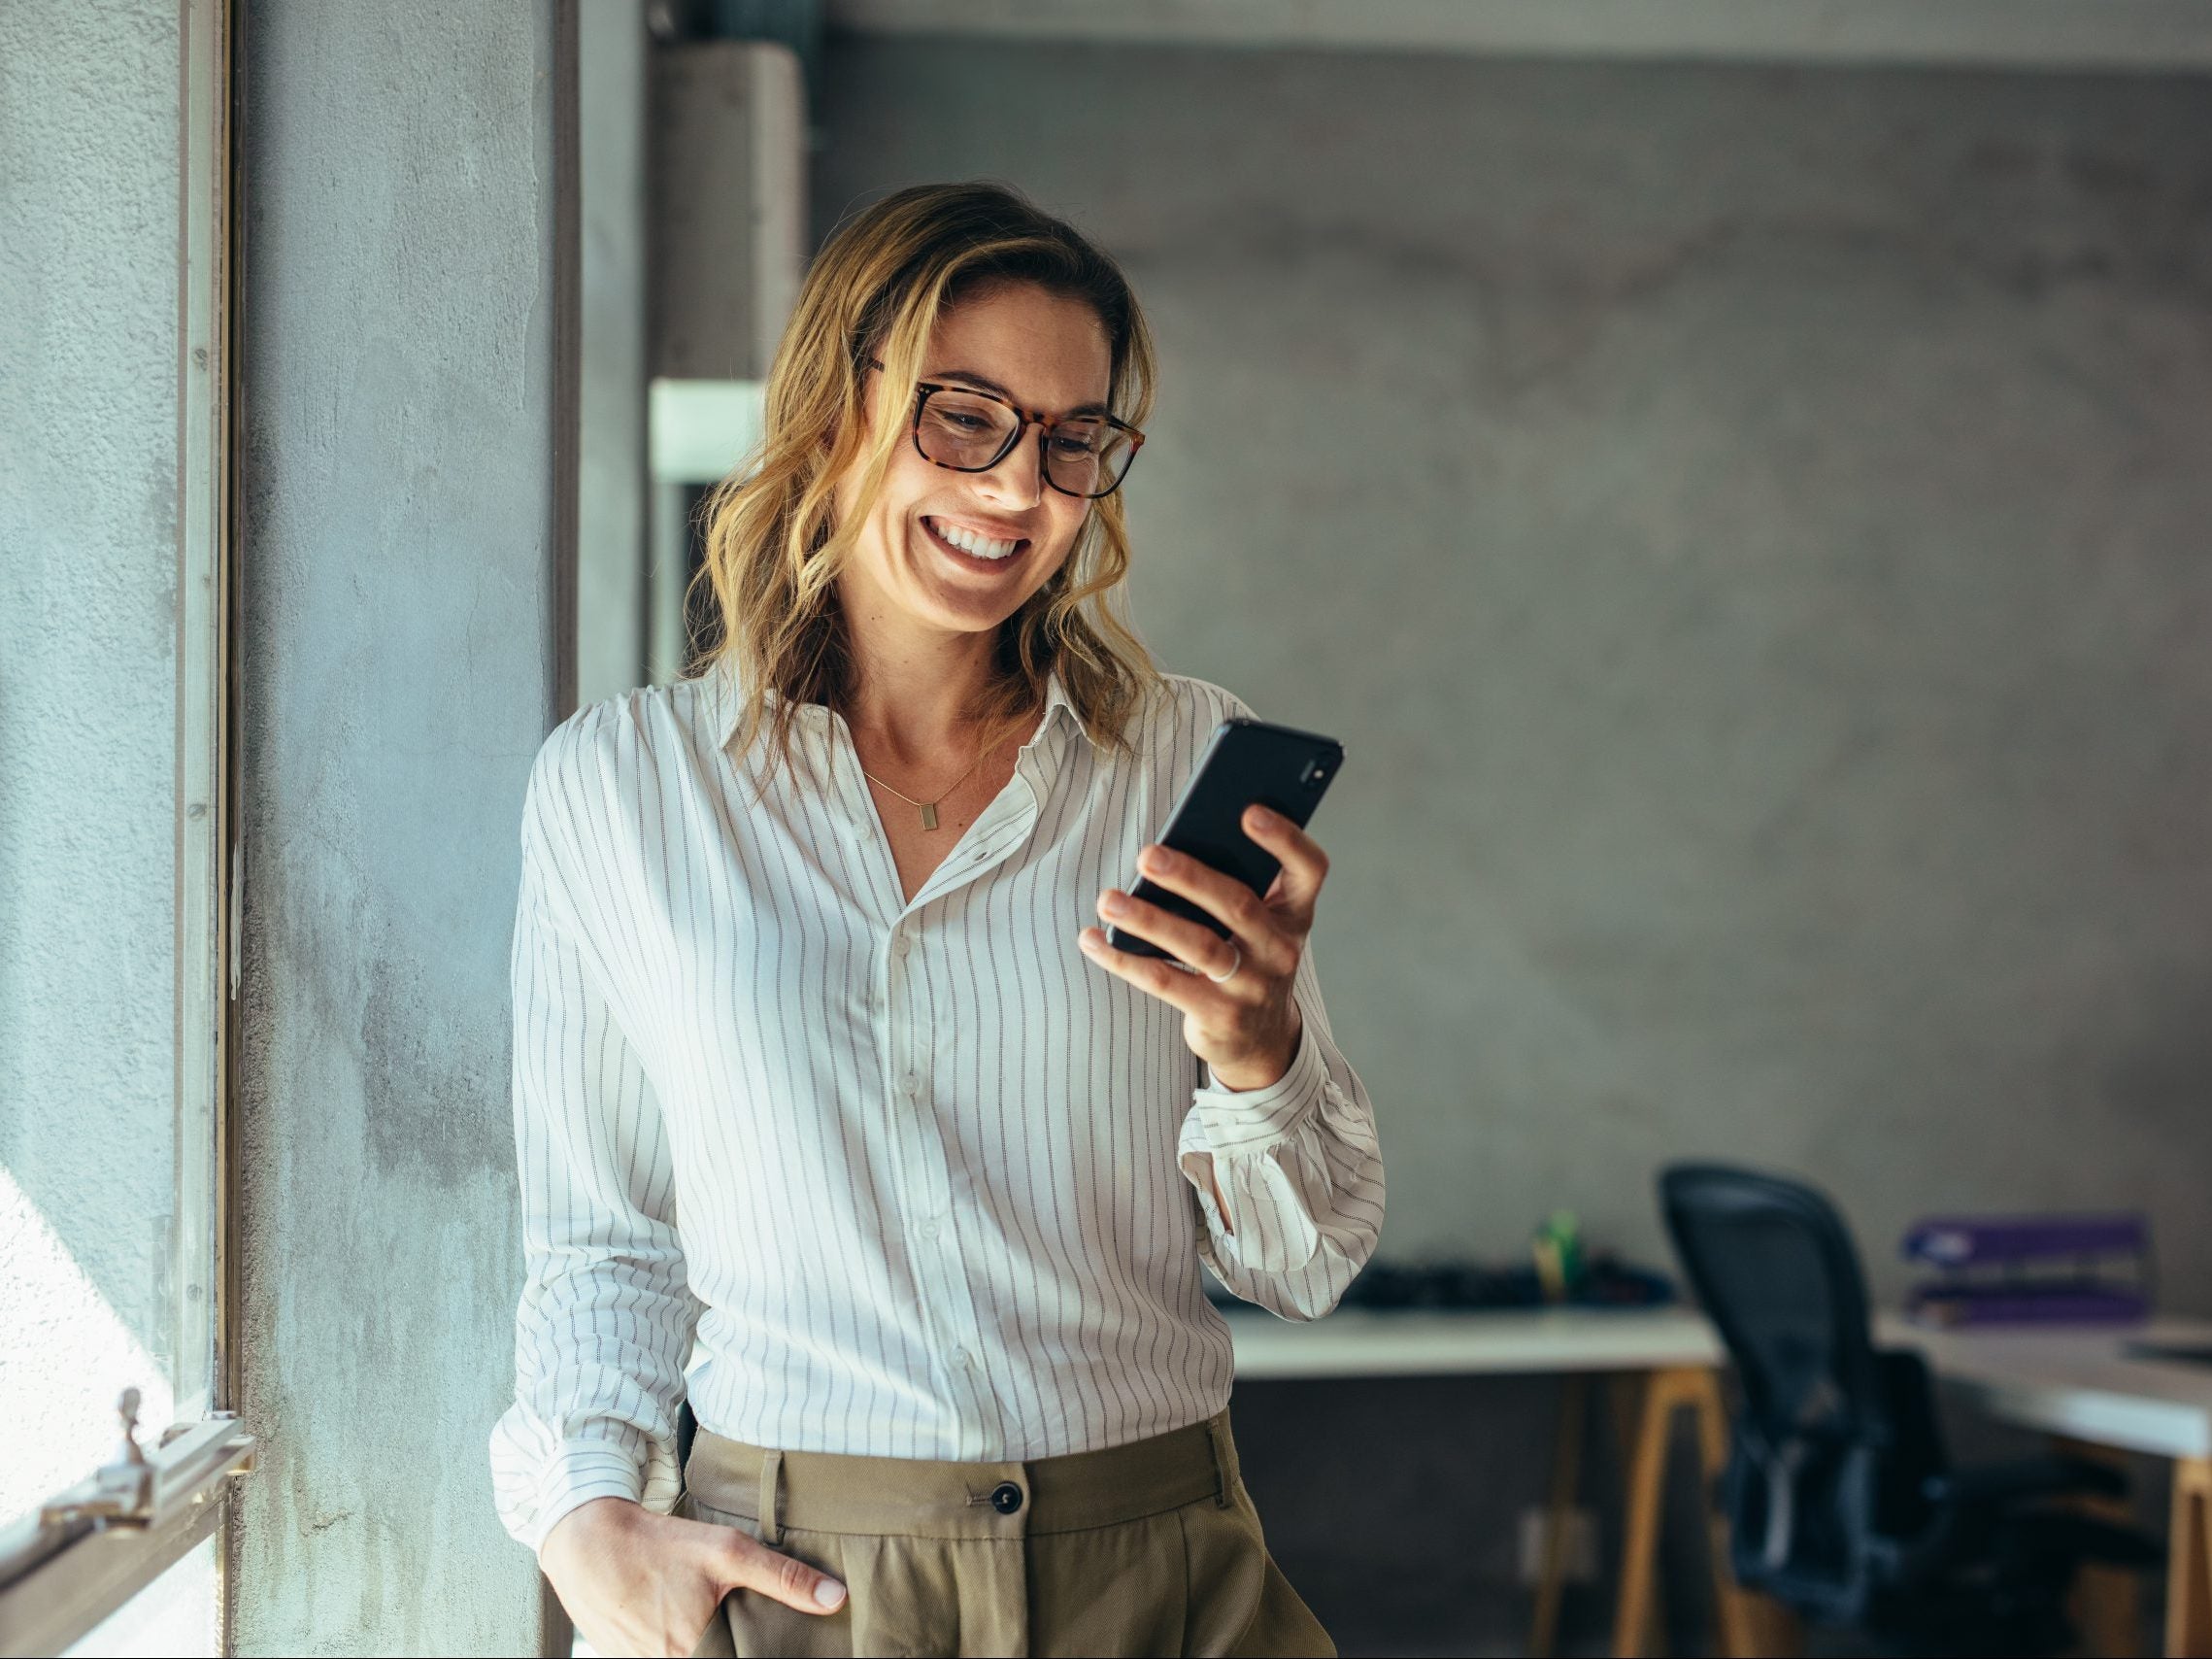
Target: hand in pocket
{"points": [[640, 1583]]}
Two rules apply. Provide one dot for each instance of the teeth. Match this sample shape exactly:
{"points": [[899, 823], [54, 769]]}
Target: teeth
{"points": [[981, 547]]}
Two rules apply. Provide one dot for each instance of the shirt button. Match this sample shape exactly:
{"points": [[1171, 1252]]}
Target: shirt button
{"points": [[900, 944], [911, 1084], [963, 1358], [1006, 1496], [928, 1230]]}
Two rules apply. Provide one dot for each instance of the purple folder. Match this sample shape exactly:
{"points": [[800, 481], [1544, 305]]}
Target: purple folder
{"points": [[2032, 1269]]}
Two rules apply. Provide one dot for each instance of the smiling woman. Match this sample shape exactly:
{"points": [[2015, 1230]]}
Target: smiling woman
{"points": [[882, 297], [800, 956]]}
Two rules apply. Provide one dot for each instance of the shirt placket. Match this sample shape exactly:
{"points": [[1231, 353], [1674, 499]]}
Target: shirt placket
{"points": [[921, 1145]]}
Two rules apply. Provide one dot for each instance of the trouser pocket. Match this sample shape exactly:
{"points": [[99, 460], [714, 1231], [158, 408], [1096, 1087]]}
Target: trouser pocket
{"points": [[1240, 1603]]}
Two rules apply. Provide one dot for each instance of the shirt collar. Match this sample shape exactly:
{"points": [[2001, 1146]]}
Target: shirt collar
{"points": [[730, 701], [1058, 704]]}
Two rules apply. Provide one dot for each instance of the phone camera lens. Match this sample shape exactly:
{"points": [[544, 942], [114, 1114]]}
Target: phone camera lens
{"points": [[1317, 774]]}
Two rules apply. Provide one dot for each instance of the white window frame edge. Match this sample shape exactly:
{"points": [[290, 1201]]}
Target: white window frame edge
{"points": [[206, 870], [87, 1551]]}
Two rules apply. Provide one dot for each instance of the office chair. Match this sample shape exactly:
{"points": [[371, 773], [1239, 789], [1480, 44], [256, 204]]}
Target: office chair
{"points": [[1841, 1502]]}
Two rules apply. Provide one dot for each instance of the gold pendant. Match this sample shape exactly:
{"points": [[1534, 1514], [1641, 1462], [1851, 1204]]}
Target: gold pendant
{"points": [[929, 816]]}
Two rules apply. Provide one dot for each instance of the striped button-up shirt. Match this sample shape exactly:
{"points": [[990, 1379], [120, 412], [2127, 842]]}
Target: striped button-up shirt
{"points": [[868, 1174]]}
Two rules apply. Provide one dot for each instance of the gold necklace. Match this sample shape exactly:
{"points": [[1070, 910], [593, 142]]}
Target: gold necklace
{"points": [[929, 807]]}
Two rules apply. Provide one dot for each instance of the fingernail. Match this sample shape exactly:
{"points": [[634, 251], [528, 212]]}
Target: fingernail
{"points": [[1151, 859], [1088, 939], [1112, 902], [829, 1593]]}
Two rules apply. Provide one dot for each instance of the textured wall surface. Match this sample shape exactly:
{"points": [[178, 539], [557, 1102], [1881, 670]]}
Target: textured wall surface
{"points": [[611, 408], [87, 725], [1749, 528], [397, 625]]}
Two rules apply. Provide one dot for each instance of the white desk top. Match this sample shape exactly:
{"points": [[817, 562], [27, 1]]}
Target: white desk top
{"points": [[2075, 1382], [1361, 1341]]}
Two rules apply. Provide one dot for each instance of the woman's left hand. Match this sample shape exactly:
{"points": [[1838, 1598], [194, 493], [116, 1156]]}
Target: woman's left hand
{"points": [[1238, 1014]]}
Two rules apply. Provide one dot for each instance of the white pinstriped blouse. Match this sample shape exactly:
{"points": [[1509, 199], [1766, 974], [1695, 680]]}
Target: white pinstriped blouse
{"points": [[864, 1176]]}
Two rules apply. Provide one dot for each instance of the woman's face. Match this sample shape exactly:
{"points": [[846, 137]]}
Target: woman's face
{"points": [[1044, 354]]}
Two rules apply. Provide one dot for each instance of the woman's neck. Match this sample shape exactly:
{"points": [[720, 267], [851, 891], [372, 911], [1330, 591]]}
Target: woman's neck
{"points": [[912, 699]]}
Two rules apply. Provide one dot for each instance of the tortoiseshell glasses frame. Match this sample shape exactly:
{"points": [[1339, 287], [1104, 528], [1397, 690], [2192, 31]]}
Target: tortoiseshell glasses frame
{"points": [[1024, 419]]}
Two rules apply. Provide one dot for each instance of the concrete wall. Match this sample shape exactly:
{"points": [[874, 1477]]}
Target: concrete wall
{"points": [[611, 516], [1749, 529], [397, 638], [88, 204]]}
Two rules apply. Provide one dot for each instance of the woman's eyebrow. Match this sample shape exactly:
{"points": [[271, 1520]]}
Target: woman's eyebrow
{"points": [[989, 385]]}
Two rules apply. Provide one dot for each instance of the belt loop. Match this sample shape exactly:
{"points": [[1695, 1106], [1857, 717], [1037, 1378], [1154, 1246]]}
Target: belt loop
{"points": [[771, 1504], [1223, 1452]]}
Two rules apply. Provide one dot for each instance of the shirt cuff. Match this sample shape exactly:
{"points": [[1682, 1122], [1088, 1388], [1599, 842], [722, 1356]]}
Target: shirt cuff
{"points": [[579, 1472], [1254, 1118]]}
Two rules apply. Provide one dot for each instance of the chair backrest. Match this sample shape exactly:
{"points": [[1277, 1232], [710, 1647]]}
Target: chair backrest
{"points": [[1775, 1269]]}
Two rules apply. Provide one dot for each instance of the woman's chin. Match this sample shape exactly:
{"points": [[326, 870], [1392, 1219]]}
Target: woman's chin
{"points": [[969, 600], [969, 612]]}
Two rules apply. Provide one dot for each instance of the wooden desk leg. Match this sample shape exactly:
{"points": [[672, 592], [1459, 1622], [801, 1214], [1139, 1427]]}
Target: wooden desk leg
{"points": [[2106, 1605], [1750, 1625], [1636, 1611], [2188, 1561], [1566, 1470]]}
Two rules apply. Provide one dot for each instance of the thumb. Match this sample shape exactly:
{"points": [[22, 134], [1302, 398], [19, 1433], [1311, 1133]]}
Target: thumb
{"points": [[751, 1566]]}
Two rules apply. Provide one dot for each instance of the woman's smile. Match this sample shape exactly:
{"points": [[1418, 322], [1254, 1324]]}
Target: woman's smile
{"points": [[972, 548]]}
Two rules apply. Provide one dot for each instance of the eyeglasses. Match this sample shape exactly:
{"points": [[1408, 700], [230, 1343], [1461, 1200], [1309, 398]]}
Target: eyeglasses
{"points": [[957, 427]]}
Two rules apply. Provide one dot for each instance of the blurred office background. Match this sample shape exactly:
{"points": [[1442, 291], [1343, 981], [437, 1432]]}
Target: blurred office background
{"points": [[1746, 519], [1734, 474]]}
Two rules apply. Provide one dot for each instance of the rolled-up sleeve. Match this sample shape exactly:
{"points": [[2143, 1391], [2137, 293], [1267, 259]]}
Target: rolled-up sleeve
{"points": [[604, 1327], [1299, 1167]]}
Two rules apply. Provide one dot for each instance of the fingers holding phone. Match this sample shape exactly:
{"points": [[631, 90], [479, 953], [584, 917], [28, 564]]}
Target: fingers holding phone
{"points": [[1296, 887], [1217, 925], [1234, 993]]}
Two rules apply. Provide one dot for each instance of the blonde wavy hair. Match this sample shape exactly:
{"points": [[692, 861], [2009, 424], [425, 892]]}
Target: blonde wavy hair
{"points": [[774, 551]]}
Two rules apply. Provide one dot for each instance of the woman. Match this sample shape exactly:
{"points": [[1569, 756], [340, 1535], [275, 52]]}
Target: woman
{"points": [[820, 1090]]}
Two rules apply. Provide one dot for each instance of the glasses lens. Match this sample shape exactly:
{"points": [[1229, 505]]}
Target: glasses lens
{"points": [[1088, 457], [963, 428]]}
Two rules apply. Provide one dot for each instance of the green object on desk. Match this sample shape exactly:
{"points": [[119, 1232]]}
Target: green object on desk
{"points": [[1556, 1245]]}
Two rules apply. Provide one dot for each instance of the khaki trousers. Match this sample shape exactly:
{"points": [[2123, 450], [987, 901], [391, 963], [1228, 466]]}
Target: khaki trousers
{"points": [[1152, 1548]]}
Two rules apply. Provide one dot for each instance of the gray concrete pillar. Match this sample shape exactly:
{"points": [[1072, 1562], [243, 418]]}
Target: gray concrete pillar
{"points": [[400, 296]]}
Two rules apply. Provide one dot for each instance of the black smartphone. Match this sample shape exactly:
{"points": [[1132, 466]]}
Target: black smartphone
{"points": [[1246, 761]]}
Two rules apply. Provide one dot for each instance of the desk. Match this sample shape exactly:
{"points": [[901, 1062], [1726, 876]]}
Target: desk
{"points": [[2080, 1387], [2076, 1385], [1360, 1342], [1665, 1360]]}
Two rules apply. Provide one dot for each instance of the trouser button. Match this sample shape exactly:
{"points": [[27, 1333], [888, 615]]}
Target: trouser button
{"points": [[1006, 1496]]}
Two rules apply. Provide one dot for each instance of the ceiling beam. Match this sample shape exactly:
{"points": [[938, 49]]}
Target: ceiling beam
{"points": [[2138, 35]]}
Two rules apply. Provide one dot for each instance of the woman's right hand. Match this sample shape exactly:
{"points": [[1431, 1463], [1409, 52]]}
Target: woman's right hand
{"points": [[638, 1582]]}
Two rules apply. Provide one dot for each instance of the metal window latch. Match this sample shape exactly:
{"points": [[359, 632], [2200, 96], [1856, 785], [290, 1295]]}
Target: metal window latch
{"points": [[130, 1488], [120, 1492]]}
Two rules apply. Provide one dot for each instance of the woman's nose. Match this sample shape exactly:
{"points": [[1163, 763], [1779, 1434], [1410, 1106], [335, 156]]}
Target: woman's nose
{"points": [[1019, 478]]}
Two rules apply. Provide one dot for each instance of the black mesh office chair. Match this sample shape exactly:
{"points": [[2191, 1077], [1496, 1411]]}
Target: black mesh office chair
{"points": [[1841, 1503]]}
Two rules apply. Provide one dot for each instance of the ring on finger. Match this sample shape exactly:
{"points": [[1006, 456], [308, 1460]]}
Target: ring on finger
{"points": [[1235, 964]]}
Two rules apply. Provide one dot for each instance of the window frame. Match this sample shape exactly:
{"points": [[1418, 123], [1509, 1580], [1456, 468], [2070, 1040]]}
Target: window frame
{"points": [[68, 1565]]}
